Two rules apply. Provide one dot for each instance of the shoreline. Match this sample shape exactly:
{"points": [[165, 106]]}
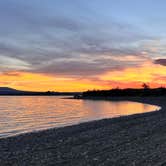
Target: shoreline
{"points": [[123, 140]]}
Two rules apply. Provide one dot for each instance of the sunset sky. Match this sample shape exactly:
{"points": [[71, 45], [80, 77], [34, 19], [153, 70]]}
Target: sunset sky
{"points": [[77, 45]]}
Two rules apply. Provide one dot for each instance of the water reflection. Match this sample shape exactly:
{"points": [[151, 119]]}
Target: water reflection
{"points": [[26, 114]]}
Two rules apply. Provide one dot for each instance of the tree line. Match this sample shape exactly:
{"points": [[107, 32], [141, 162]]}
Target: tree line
{"points": [[146, 91]]}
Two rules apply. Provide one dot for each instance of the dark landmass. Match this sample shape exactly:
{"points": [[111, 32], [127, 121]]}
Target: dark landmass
{"points": [[4, 91], [124, 93], [136, 140]]}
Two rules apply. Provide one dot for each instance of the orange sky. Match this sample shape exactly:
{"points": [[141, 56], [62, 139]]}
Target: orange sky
{"points": [[150, 73]]}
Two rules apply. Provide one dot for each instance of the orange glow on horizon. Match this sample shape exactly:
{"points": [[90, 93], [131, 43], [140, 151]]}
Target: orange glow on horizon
{"points": [[152, 74], [41, 82], [133, 77]]}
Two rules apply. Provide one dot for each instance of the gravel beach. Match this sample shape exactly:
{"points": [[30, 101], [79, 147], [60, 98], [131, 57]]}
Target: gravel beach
{"points": [[131, 140]]}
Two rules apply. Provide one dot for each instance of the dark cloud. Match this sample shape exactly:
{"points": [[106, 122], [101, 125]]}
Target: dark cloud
{"points": [[160, 61], [84, 67]]}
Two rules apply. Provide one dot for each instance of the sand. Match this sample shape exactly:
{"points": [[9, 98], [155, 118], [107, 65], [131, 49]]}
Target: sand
{"points": [[130, 140]]}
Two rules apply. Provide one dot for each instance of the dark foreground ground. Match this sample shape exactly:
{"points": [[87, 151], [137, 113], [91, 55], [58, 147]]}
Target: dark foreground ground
{"points": [[133, 140]]}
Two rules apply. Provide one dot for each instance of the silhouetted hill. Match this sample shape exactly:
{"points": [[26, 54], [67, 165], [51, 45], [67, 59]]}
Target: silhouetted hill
{"points": [[8, 91], [14, 92]]}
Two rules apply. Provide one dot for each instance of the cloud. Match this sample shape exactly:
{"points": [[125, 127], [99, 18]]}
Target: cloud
{"points": [[85, 66], [9, 63], [160, 61], [47, 40], [11, 74]]}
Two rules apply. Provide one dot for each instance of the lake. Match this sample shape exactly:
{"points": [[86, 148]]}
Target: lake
{"points": [[23, 114]]}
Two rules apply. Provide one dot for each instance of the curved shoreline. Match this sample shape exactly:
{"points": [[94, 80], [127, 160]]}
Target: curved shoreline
{"points": [[135, 139]]}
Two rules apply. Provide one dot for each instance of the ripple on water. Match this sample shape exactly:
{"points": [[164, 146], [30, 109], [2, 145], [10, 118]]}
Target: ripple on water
{"points": [[30, 113]]}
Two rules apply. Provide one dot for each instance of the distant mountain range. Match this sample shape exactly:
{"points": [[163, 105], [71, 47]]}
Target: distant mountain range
{"points": [[14, 92]]}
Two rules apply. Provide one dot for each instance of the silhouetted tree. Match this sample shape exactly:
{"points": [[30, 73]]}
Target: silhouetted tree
{"points": [[145, 86]]}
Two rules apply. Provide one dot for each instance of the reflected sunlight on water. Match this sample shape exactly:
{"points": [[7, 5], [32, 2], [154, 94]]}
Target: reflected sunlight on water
{"points": [[27, 114]]}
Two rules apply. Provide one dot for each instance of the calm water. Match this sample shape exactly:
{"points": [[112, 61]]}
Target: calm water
{"points": [[27, 114]]}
